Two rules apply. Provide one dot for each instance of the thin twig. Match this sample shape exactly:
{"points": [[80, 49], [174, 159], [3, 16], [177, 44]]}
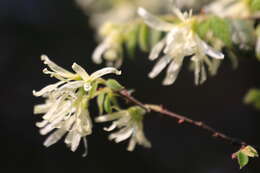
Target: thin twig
{"points": [[182, 119]]}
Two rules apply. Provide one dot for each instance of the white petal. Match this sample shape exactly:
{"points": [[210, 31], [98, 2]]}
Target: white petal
{"points": [[75, 141], [85, 142], [68, 139], [112, 116], [97, 55], [55, 67], [178, 13], [153, 21], [111, 127], [54, 137], [156, 50], [52, 110], [47, 89], [173, 71], [132, 144], [42, 123], [41, 108], [159, 66], [51, 126], [72, 85], [80, 71], [104, 71], [211, 52], [122, 135]]}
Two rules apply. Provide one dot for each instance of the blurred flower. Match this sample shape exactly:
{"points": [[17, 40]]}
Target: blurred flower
{"points": [[118, 11], [111, 46], [229, 8], [130, 124], [180, 41], [66, 107]]}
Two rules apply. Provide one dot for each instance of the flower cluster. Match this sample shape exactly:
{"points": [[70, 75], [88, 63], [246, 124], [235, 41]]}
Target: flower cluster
{"points": [[66, 107], [181, 41], [130, 124], [111, 46]]}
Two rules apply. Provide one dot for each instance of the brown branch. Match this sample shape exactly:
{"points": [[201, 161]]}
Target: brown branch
{"points": [[182, 119]]}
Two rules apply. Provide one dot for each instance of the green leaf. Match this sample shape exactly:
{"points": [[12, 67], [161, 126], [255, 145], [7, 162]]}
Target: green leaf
{"points": [[253, 97], [219, 27], [114, 85], [107, 104], [144, 37], [100, 102], [242, 159], [255, 5], [131, 40]]}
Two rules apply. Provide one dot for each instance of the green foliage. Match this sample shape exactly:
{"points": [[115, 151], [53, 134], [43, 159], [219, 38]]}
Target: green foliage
{"points": [[100, 102], [255, 5], [114, 85], [139, 35], [244, 154], [253, 98], [242, 159], [131, 40], [220, 28]]}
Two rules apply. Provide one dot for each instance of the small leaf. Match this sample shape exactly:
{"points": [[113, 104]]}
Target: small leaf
{"points": [[114, 85], [100, 102], [144, 37], [220, 28], [242, 159], [131, 40], [253, 97], [107, 104]]}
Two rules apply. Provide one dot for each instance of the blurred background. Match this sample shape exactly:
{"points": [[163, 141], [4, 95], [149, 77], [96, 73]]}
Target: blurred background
{"points": [[60, 29]]}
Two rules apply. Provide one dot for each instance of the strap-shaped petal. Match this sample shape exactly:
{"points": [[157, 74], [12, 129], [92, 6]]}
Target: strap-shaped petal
{"points": [[47, 89], [54, 137], [61, 71], [99, 51], [211, 52], [80, 71], [112, 116], [173, 71], [153, 21], [159, 66], [104, 71], [156, 50]]}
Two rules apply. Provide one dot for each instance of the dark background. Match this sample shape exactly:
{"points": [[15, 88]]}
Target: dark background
{"points": [[29, 28]]}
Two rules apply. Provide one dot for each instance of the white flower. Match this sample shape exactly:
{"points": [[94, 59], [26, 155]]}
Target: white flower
{"points": [[229, 8], [130, 124], [66, 107], [111, 46], [181, 41]]}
